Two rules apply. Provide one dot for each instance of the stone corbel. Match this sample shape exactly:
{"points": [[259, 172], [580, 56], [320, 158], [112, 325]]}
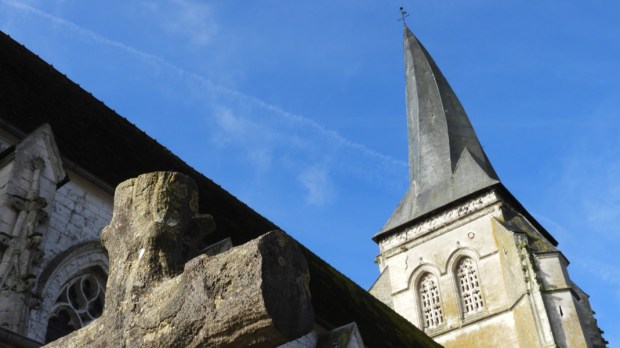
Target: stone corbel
{"points": [[26, 283], [24, 204], [38, 163], [34, 301], [34, 240], [42, 217], [18, 203], [5, 240], [37, 257]]}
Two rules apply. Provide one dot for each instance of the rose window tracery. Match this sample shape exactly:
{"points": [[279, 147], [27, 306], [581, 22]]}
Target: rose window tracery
{"points": [[80, 302]]}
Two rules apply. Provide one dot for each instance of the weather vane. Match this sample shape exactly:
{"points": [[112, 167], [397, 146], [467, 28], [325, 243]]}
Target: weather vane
{"points": [[403, 14]]}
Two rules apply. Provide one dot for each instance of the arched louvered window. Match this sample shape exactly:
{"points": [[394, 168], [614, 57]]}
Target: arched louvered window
{"points": [[430, 301], [80, 301], [469, 286]]}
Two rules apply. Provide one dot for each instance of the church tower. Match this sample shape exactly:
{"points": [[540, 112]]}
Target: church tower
{"points": [[460, 257]]}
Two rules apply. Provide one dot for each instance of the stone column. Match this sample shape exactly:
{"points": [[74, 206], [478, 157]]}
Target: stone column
{"points": [[20, 247]]}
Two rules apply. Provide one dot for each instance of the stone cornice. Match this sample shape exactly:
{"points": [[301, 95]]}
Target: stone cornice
{"points": [[471, 209]]}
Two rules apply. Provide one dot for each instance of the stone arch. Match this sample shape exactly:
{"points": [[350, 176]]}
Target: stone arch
{"points": [[88, 258], [427, 298], [457, 254], [414, 277], [463, 268]]}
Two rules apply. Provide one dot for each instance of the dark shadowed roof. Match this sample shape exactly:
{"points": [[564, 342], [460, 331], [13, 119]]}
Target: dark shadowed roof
{"points": [[111, 148]]}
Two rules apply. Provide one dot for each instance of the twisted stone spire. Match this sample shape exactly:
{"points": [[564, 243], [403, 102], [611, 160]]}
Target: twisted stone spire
{"points": [[446, 160]]}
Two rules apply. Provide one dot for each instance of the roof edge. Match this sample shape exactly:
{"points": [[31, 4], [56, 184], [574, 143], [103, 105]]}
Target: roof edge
{"points": [[502, 190], [385, 233]]}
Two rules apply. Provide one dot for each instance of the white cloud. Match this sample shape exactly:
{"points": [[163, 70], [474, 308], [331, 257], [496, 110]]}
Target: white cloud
{"points": [[256, 140], [265, 132], [301, 121], [602, 201], [591, 178], [262, 158], [188, 19], [606, 272], [586, 200], [319, 189], [230, 126], [90, 35]]}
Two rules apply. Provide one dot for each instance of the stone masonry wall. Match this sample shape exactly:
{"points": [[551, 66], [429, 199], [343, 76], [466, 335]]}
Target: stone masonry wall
{"points": [[72, 244], [78, 216]]}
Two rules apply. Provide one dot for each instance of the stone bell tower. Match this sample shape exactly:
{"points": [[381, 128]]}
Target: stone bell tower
{"points": [[460, 257]]}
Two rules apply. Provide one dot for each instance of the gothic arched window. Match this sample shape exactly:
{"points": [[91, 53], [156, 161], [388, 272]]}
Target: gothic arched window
{"points": [[469, 286], [80, 301], [430, 302]]}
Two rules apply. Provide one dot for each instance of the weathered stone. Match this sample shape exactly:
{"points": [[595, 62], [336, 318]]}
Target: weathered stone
{"points": [[253, 295], [29, 173]]}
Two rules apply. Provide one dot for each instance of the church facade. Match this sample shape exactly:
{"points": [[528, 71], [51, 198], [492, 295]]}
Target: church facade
{"points": [[460, 257]]}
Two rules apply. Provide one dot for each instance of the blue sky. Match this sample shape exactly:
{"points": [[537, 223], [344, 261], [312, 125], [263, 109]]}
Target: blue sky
{"points": [[297, 108]]}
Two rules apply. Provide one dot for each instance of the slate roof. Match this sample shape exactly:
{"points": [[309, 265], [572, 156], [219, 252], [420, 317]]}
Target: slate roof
{"points": [[447, 164], [108, 146], [446, 160]]}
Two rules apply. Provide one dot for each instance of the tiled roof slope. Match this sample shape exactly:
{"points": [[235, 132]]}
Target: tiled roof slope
{"points": [[107, 145]]}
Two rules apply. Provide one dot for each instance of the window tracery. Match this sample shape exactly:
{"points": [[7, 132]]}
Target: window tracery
{"points": [[430, 302], [80, 302], [469, 285]]}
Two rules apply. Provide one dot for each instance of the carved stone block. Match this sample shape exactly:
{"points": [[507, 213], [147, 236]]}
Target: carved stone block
{"points": [[253, 295]]}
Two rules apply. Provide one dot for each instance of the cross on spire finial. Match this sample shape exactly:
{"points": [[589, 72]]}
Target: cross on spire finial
{"points": [[403, 14]]}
